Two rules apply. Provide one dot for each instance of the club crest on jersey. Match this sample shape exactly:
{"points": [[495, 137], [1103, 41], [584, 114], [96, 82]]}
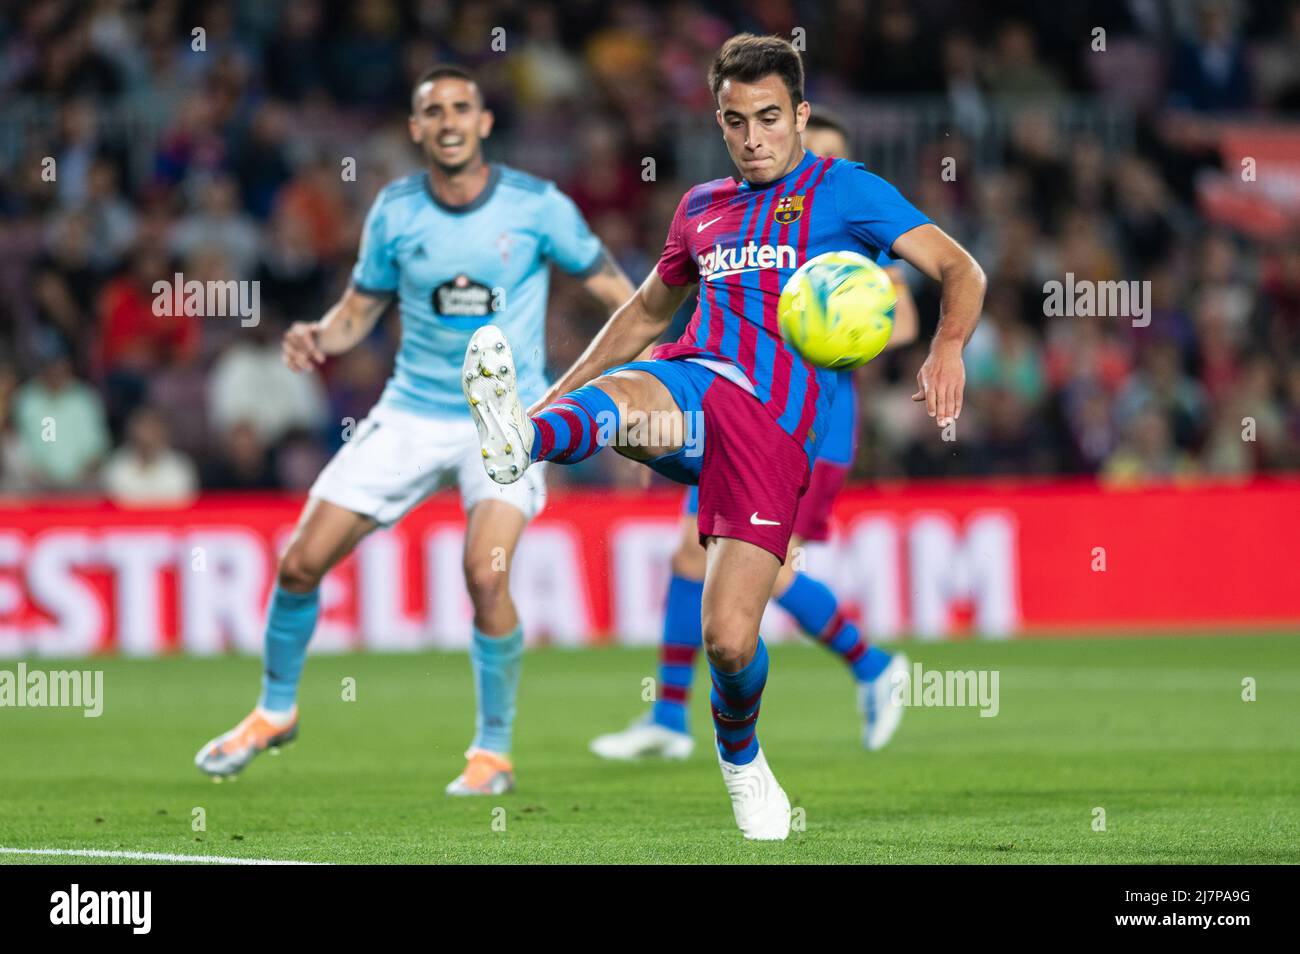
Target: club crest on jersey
{"points": [[788, 209]]}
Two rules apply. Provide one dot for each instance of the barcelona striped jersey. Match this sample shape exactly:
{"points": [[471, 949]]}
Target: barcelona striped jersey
{"points": [[741, 242]]}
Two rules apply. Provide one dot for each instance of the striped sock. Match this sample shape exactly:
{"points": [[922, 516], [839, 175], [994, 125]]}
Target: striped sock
{"points": [[817, 612], [573, 427], [736, 699], [681, 641]]}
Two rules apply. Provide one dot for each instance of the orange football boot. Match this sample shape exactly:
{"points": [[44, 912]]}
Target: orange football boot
{"points": [[226, 755], [486, 773]]}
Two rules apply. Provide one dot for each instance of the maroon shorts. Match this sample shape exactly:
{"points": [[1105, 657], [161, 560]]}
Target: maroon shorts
{"points": [[752, 475], [813, 521]]}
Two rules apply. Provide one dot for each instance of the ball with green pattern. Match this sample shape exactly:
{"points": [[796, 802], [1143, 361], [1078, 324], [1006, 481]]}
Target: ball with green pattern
{"points": [[837, 310]]}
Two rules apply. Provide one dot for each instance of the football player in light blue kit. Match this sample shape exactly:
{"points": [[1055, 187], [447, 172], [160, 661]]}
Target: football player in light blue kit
{"points": [[463, 244]]}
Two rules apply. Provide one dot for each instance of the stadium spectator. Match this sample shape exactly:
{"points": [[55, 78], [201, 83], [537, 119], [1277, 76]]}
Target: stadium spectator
{"points": [[261, 160], [899, 57], [1210, 73], [1015, 71], [135, 341], [1147, 453], [13, 472], [1159, 385], [543, 72], [356, 380], [1290, 454], [295, 59], [298, 461], [606, 181], [314, 197], [962, 84], [364, 60], [62, 432], [219, 223], [146, 471], [63, 286], [1277, 64], [106, 219], [250, 382], [242, 462], [193, 144]]}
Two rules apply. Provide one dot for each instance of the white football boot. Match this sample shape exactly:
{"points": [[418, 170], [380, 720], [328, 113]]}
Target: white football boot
{"points": [[643, 739], [879, 702], [759, 803], [488, 380]]}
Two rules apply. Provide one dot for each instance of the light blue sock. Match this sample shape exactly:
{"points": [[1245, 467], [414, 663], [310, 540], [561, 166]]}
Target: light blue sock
{"points": [[496, 661], [290, 621]]}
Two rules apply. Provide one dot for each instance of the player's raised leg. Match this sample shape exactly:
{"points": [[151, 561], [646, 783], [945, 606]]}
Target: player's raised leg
{"points": [[497, 645], [325, 534], [573, 426]]}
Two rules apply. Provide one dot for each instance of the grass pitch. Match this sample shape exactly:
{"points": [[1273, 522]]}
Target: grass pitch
{"points": [[1153, 731]]}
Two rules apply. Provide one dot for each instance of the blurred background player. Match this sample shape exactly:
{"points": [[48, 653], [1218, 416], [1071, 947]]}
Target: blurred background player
{"points": [[467, 243], [663, 732], [761, 410]]}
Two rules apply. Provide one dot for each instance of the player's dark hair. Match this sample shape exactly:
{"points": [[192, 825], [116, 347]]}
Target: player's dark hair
{"points": [[747, 58], [443, 71]]}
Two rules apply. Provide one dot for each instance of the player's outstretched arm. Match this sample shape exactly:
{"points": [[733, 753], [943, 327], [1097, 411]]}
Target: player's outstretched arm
{"points": [[942, 377], [307, 343], [634, 326]]}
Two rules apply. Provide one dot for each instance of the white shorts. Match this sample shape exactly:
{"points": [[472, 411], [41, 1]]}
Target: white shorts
{"points": [[395, 459]]}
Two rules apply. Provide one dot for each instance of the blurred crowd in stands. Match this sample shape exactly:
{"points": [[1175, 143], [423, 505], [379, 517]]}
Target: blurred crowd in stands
{"points": [[231, 161]]}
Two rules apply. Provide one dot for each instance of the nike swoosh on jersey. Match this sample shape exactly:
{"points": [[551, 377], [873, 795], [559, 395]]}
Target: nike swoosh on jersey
{"points": [[704, 225], [758, 521]]}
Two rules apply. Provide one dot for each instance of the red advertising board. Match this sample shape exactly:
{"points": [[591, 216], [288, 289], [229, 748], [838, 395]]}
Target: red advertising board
{"points": [[923, 561]]}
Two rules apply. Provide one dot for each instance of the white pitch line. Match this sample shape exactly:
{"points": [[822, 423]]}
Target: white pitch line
{"points": [[149, 856]]}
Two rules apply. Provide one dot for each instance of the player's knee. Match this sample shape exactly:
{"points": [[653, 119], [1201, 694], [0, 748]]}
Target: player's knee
{"points": [[616, 387], [727, 644], [487, 584], [299, 571]]}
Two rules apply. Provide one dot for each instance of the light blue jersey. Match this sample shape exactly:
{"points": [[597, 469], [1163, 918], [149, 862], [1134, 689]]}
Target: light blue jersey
{"points": [[455, 268]]}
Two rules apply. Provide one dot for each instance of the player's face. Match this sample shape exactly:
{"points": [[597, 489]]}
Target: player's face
{"points": [[825, 142], [761, 127], [449, 123]]}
